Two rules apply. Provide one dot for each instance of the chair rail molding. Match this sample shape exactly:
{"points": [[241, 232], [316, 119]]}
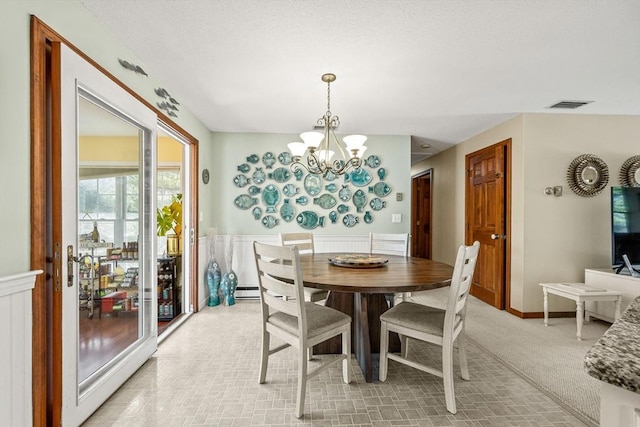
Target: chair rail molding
{"points": [[16, 400]]}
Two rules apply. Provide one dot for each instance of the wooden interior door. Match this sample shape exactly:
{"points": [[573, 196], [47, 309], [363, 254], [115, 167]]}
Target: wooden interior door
{"points": [[487, 220], [421, 215]]}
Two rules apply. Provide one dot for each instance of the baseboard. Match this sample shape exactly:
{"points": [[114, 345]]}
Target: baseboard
{"points": [[540, 314]]}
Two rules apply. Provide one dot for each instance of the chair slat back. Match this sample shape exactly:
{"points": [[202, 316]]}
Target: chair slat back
{"points": [[279, 274], [304, 241], [389, 244], [461, 280]]}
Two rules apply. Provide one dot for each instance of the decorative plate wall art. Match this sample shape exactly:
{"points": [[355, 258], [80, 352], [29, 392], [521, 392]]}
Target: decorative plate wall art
{"points": [[630, 172], [587, 175], [269, 197]]}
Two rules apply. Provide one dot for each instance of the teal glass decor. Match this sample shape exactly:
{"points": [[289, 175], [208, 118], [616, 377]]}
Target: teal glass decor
{"points": [[229, 284], [214, 277]]}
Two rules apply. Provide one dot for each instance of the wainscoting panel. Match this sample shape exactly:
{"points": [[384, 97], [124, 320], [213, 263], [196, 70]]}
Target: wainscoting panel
{"points": [[15, 348], [243, 263]]}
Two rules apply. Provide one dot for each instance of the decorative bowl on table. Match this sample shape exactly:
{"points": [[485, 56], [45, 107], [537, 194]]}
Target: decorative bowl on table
{"points": [[358, 260]]}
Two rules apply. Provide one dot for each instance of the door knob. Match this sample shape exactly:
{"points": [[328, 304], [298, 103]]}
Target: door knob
{"points": [[498, 236]]}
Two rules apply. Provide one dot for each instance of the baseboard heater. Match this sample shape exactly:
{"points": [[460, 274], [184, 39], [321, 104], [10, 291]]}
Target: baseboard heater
{"points": [[247, 292]]}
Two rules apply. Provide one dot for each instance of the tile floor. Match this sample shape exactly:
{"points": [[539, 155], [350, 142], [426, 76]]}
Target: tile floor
{"points": [[205, 374]]}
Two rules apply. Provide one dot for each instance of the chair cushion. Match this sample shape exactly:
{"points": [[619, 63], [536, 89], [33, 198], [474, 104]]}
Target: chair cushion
{"points": [[437, 298], [416, 316], [320, 319]]}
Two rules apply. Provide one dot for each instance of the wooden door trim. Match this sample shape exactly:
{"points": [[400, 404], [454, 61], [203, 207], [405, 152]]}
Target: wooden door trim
{"points": [[46, 356], [506, 147], [414, 209]]}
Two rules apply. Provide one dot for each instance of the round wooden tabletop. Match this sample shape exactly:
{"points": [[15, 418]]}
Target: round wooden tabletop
{"points": [[400, 274]]}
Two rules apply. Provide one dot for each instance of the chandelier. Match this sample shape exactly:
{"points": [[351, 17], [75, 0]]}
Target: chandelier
{"points": [[315, 153]]}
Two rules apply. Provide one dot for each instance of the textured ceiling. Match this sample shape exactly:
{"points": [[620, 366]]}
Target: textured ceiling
{"points": [[440, 71]]}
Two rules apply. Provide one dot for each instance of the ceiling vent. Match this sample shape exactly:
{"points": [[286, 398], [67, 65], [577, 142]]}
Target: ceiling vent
{"points": [[571, 105]]}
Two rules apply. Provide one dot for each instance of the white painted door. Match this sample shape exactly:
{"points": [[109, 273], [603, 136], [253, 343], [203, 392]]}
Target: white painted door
{"points": [[108, 162]]}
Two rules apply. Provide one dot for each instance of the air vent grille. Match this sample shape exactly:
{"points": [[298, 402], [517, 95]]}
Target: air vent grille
{"points": [[569, 104]]}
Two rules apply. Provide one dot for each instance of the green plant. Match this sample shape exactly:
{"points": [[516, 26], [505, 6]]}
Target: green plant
{"points": [[169, 217]]}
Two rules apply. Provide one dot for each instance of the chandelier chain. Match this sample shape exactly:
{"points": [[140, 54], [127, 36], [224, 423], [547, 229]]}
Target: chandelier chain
{"points": [[329, 99]]}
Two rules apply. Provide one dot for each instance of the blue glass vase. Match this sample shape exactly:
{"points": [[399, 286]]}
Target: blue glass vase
{"points": [[229, 284], [214, 276]]}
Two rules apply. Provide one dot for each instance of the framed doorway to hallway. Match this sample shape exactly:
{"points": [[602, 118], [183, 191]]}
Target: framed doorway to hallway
{"points": [[421, 212]]}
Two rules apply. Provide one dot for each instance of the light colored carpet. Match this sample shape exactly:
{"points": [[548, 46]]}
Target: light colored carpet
{"points": [[550, 357]]}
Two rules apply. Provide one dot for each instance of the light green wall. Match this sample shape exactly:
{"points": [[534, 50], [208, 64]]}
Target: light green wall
{"points": [[552, 238], [71, 20], [231, 150]]}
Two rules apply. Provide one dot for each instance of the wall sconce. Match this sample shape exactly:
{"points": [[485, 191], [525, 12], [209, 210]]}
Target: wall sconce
{"points": [[553, 191]]}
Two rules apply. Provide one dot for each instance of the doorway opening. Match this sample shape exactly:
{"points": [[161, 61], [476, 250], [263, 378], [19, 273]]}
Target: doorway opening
{"points": [[421, 211], [173, 244]]}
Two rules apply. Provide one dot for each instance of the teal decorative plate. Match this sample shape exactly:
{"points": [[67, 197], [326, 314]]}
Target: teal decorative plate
{"points": [[373, 161], [245, 201], [381, 189], [382, 173], [241, 180], [377, 204], [350, 220], [343, 208], [298, 173], [290, 190], [287, 211], [313, 184], [330, 176], [326, 201], [368, 218], [359, 177], [309, 220], [253, 159], [302, 200], [270, 221], [285, 158], [333, 217], [257, 212], [253, 190], [244, 168], [331, 188], [259, 176], [271, 197], [345, 193], [268, 159], [280, 175], [359, 200]]}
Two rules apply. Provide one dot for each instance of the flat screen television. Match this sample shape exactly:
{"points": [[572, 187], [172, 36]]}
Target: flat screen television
{"points": [[625, 225]]}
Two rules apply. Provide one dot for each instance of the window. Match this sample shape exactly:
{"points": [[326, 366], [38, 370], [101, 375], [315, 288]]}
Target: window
{"points": [[112, 203]]}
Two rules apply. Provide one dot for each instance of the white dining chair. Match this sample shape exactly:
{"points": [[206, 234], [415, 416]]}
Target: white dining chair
{"points": [[304, 242], [390, 244], [428, 324], [300, 324]]}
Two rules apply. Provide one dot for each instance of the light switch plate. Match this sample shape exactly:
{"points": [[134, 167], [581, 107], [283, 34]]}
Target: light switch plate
{"points": [[396, 218]]}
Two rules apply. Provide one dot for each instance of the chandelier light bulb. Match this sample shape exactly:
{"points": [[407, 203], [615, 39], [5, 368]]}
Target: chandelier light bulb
{"points": [[312, 139], [297, 148]]}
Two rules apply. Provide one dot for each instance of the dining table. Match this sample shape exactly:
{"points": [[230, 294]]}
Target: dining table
{"points": [[359, 285]]}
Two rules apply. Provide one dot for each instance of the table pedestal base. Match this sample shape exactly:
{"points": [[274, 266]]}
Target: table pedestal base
{"points": [[364, 310]]}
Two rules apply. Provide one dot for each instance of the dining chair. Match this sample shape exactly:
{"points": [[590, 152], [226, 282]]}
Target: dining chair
{"points": [[428, 324], [304, 242], [300, 324], [390, 244]]}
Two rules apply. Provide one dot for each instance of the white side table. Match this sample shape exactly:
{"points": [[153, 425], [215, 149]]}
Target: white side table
{"points": [[578, 292]]}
